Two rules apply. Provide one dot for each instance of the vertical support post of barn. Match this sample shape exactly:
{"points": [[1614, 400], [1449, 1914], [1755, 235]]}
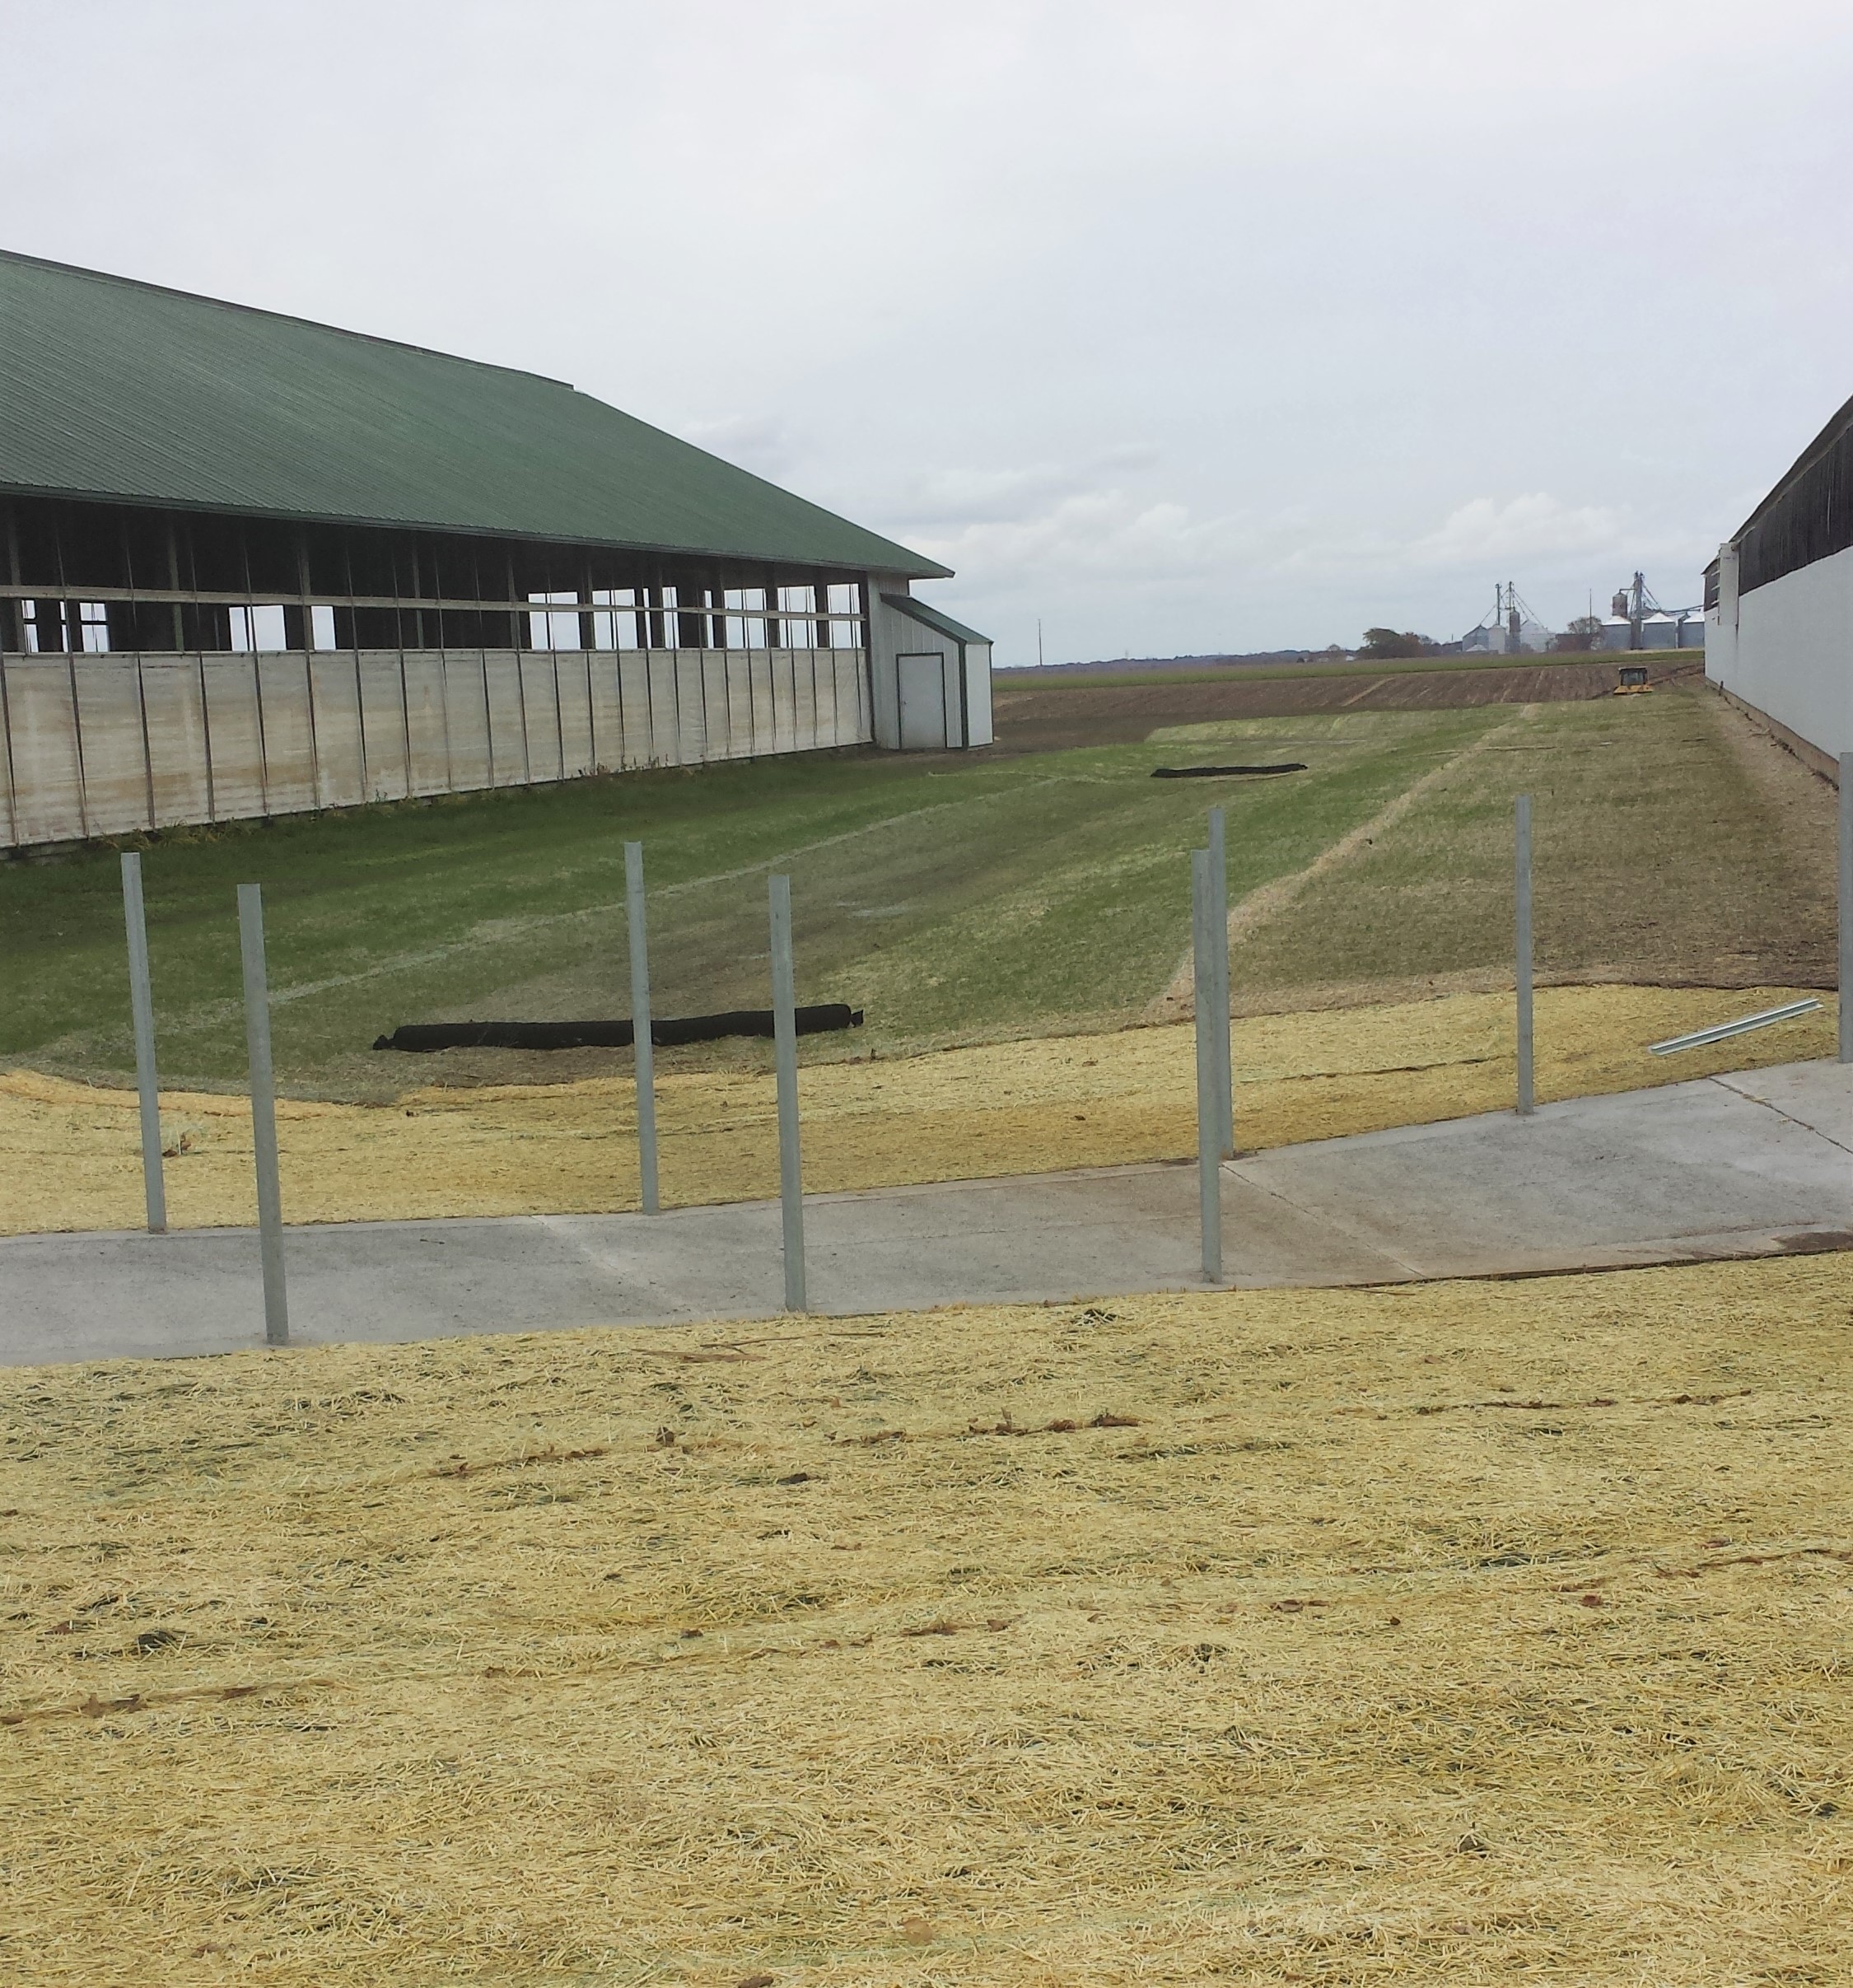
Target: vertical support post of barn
{"points": [[141, 1002], [1219, 960], [785, 1042], [1522, 882], [264, 1112], [1209, 1115], [1846, 907], [643, 1047]]}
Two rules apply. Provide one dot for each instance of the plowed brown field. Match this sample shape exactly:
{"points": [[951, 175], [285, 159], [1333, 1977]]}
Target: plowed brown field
{"points": [[1033, 719]]}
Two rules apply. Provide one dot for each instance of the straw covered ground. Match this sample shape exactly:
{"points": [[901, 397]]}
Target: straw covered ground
{"points": [[1444, 1634], [69, 1154]]}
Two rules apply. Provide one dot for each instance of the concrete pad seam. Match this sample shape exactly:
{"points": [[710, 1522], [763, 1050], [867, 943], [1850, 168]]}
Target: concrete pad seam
{"points": [[1357, 1235], [1751, 1097]]}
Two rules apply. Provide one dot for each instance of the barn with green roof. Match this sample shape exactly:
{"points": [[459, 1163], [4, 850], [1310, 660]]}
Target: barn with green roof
{"points": [[251, 565]]}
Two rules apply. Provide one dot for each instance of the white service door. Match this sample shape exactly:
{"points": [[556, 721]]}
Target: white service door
{"points": [[922, 702]]}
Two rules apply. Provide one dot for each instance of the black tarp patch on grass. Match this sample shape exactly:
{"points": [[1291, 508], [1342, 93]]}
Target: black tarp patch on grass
{"points": [[421, 1039], [1222, 773]]}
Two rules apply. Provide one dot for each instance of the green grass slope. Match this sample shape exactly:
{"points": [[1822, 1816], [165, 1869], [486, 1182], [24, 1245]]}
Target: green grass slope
{"points": [[953, 898]]}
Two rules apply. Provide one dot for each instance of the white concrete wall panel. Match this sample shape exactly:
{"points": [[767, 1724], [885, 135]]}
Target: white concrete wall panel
{"points": [[115, 763], [665, 725], [236, 736], [508, 723], [466, 719], [109, 744], [1793, 652], [691, 730], [174, 702], [760, 672], [289, 739], [740, 704], [540, 711], [845, 666], [382, 703], [47, 791], [717, 725], [340, 749], [785, 700], [7, 825], [572, 675], [634, 691], [803, 685], [607, 709], [427, 744]]}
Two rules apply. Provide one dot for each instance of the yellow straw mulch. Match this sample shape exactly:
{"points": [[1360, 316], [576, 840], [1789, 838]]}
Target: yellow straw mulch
{"points": [[70, 1153], [1445, 1635]]}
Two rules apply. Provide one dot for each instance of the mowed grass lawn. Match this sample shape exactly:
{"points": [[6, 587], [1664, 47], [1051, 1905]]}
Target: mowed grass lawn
{"points": [[955, 898]]}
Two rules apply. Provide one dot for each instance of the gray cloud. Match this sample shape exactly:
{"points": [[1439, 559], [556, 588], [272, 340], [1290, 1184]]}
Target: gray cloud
{"points": [[1202, 324]]}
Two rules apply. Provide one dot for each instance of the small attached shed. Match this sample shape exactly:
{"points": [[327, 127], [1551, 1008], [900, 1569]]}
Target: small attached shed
{"points": [[931, 678]]}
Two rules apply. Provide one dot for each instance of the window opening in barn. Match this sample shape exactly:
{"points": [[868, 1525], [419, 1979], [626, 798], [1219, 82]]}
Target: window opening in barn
{"points": [[93, 626], [260, 630], [553, 630]]}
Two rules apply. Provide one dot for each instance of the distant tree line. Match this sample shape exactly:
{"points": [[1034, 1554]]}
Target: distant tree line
{"points": [[1386, 645]]}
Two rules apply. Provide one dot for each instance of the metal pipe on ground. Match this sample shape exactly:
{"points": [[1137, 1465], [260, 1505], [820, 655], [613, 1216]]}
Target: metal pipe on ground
{"points": [[1209, 1117], [644, 1046], [141, 1001], [264, 1114], [785, 1041], [1522, 884], [1219, 961]]}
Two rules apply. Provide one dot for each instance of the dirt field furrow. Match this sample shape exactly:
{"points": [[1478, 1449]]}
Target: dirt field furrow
{"points": [[1033, 719]]}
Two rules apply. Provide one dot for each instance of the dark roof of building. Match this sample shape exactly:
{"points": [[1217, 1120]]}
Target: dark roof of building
{"points": [[931, 617], [1808, 517], [123, 391]]}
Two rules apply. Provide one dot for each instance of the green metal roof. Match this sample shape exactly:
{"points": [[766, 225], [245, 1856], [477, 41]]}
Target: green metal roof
{"points": [[123, 391], [943, 625]]}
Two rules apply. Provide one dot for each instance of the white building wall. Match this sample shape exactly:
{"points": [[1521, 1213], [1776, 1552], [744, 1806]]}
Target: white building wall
{"points": [[889, 633], [964, 668], [977, 694], [1787, 649], [118, 744]]}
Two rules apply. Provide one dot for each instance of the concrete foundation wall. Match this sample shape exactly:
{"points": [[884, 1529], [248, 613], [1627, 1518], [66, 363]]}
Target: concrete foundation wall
{"points": [[1787, 650], [98, 745]]}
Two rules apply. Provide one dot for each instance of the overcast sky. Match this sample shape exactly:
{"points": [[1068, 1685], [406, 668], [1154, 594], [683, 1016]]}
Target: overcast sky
{"points": [[1182, 327]]}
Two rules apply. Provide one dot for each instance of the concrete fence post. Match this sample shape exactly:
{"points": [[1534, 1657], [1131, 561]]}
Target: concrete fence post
{"points": [[644, 1048], [141, 1002], [1845, 1017], [1209, 1068], [264, 1114], [785, 1044], [1522, 881], [1219, 960]]}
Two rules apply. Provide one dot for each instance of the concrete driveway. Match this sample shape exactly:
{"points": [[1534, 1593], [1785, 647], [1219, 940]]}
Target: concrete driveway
{"points": [[1744, 1165]]}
